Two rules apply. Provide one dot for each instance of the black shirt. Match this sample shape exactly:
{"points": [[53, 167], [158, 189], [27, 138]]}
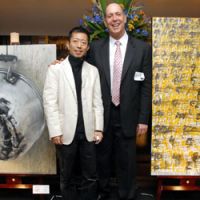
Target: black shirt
{"points": [[76, 64]]}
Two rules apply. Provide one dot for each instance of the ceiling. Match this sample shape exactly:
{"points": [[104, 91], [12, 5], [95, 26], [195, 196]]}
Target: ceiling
{"points": [[56, 17]]}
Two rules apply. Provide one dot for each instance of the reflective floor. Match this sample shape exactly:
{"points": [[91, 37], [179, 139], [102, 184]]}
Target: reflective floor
{"points": [[145, 194]]}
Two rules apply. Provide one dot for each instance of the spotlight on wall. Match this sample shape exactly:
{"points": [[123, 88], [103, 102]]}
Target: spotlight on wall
{"points": [[14, 38]]}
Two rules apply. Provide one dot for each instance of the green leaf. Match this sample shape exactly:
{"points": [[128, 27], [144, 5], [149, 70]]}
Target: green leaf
{"points": [[136, 8], [100, 27], [103, 4], [92, 26], [126, 3], [128, 6], [119, 1], [98, 34]]}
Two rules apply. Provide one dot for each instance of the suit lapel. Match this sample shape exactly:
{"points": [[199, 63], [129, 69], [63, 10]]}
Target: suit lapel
{"points": [[130, 57], [84, 74], [105, 60], [84, 79], [69, 76]]}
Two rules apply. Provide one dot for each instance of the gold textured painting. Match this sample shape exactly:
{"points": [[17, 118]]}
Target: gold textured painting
{"points": [[176, 97]]}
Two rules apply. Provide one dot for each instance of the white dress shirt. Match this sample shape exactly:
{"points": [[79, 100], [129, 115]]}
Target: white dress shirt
{"points": [[112, 48]]}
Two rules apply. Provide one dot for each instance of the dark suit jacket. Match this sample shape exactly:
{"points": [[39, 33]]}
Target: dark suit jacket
{"points": [[135, 96]]}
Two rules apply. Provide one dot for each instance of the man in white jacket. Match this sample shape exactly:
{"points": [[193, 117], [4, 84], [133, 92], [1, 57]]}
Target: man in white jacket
{"points": [[74, 114]]}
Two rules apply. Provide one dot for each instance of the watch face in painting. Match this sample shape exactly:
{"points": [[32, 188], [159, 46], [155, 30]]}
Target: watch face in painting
{"points": [[21, 115]]}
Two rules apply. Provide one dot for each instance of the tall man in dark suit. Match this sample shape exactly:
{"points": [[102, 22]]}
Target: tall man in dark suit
{"points": [[127, 101]]}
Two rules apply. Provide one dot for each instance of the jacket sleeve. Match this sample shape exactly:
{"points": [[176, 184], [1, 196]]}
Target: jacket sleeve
{"points": [[50, 102], [90, 58], [146, 88], [97, 104]]}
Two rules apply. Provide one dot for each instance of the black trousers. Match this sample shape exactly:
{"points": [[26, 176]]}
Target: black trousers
{"points": [[85, 189], [120, 150]]}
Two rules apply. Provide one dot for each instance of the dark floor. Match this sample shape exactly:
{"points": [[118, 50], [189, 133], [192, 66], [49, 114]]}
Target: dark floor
{"points": [[146, 191], [145, 194]]}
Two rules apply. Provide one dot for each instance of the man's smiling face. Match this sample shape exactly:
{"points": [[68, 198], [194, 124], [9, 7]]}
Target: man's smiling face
{"points": [[115, 20]]}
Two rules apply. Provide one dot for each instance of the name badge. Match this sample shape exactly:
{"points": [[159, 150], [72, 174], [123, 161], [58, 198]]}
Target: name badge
{"points": [[139, 76]]}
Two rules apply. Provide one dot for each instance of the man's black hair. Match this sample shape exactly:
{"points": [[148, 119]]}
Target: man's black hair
{"points": [[79, 29]]}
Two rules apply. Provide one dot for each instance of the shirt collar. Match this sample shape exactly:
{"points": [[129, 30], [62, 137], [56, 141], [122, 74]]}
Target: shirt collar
{"points": [[123, 40]]}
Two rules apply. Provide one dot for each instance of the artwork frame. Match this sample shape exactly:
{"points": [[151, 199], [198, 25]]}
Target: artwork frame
{"points": [[32, 63], [176, 96]]}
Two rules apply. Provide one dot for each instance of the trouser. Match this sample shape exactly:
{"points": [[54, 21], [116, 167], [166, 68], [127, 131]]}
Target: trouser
{"points": [[122, 151], [67, 154]]}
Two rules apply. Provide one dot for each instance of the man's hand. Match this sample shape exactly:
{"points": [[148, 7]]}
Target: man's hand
{"points": [[98, 136], [56, 62], [58, 140], [141, 137], [141, 129]]}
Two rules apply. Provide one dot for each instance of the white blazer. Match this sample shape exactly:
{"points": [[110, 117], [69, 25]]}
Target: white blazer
{"points": [[60, 101]]}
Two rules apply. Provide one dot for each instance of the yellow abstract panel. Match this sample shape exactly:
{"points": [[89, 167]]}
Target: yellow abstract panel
{"points": [[176, 96]]}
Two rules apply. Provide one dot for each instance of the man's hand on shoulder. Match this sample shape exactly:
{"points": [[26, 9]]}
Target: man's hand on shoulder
{"points": [[56, 62]]}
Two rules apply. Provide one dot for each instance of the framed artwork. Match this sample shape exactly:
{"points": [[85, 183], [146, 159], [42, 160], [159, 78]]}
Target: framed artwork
{"points": [[176, 97], [24, 142]]}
